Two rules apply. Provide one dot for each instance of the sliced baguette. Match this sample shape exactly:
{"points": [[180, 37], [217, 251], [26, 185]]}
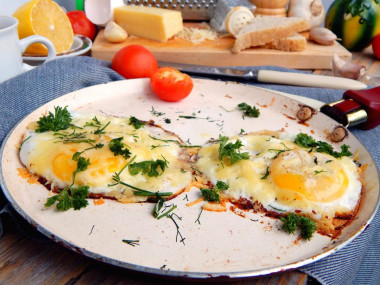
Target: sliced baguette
{"points": [[295, 42], [263, 30]]}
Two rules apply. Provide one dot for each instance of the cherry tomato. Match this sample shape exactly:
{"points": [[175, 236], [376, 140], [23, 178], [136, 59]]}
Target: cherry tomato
{"points": [[170, 84], [376, 46], [134, 61], [81, 24]]}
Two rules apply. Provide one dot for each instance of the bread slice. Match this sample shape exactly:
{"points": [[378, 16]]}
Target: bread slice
{"points": [[263, 30], [295, 42]]}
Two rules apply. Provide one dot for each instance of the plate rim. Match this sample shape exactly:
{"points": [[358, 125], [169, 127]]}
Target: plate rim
{"points": [[85, 46], [177, 273]]}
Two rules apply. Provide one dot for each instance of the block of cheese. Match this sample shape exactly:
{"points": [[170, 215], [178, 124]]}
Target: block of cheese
{"points": [[149, 22]]}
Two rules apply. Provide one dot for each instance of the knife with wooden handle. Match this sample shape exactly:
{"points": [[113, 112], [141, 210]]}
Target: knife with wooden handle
{"points": [[268, 76]]}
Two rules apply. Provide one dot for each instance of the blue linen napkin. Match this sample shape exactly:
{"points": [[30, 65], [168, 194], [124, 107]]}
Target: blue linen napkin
{"points": [[357, 263]]}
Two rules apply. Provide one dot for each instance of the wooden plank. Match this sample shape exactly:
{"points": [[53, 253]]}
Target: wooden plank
{"points": [[217, 53], [23, 261]]}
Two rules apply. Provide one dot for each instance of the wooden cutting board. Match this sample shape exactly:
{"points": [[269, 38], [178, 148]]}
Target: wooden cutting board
{"points": [[218, 53]]}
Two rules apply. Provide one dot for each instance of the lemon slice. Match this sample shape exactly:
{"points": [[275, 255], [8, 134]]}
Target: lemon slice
{"points": [[44, 18], [237, 18]]}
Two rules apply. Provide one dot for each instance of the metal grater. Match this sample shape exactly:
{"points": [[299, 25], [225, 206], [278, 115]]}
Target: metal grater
{"points": [[191, 9]]}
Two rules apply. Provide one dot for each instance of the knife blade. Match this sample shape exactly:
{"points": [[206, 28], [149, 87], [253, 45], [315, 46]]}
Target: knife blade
{"points": [[267, 76]]}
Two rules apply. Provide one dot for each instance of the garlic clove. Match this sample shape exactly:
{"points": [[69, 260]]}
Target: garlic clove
{"points": [[322, 36], [114, 33], [346, 69]]}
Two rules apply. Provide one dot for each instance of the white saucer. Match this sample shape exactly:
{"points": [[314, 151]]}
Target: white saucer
{"points": [[80, 46]]}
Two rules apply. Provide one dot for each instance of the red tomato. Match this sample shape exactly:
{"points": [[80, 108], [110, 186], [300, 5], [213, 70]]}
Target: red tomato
{"points": [[170, 84], [81, 24], [376, 46], [134, 61]]}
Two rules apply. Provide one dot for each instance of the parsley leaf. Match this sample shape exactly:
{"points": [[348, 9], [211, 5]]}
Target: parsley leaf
{"points": [[119, 148], [60, 120], [77, 200], [79, 196], [82, 164], [231, 150], [249, 110], [292, 222], [305, 140], [137, 124], [149, 167], [212, 194]]}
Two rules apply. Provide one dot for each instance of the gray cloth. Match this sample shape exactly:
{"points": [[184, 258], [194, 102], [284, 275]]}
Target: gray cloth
{"points": [[357, 263]]}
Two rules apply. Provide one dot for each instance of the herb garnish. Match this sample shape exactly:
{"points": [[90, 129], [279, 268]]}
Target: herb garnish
{"points": [[279, 151], [149, 167], [60, 120], [306, 141], [182, 239], [249, 110], [266, 173], [166, 141], [73, 137], [77, 200], [292, 222], [97, 124], [132, 242], [136, 123], [212, 195], [78, 153], [158, 145], [160, 209], [82, 164], [231, 150], [156, 113], [199, 216], [119, 148], [319, 171], [136, 191]]}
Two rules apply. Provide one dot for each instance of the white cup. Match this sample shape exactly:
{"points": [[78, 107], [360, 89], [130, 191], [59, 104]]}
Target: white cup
{"points": [[11, 48]]}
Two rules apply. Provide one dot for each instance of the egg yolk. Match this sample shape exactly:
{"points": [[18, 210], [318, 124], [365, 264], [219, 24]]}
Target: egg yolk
{"points": [[297, 175], [104, 162]]}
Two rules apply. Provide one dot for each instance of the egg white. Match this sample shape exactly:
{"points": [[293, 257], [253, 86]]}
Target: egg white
{"points": [[284, 177], [46, 155]]}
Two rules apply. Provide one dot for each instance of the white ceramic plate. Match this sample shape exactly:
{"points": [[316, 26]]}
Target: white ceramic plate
{"points": [[221, 244], [80, 46]]}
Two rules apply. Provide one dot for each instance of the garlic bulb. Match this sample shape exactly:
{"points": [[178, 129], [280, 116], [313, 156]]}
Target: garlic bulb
{"points": [[346, 69], [311, 10], [114, 33]]}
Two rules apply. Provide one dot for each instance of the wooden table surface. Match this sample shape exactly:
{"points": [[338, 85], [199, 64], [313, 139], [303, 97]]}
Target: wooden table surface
{"points": [[35, 259]]}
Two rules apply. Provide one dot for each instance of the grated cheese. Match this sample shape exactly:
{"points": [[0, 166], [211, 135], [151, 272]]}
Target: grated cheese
{"points": [[197, 35]]}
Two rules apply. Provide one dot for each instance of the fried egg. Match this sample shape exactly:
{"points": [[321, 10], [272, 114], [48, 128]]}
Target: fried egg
{"points": [[284, 177], [50, 156]]}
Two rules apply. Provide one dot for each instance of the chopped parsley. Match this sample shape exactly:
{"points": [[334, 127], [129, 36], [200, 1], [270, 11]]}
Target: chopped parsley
{"points": [[77, 200], [98, 125], [249, 111], [136, 123], [136, 191], [152, 168], [231, 150], [60, 120], [292, 222], [306, 141], [212, 195], [119, 148]]}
